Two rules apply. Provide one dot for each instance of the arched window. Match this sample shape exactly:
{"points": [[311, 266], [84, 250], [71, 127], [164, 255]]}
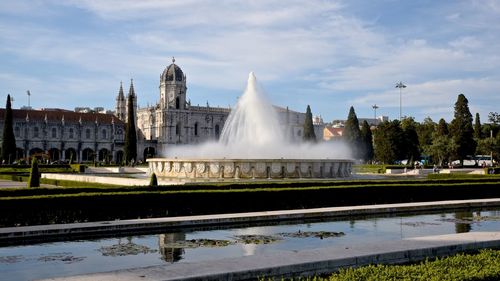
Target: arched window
{"points": [[196, 128], [35, 132], [71, 133], [177, 103], [54, 133], [17, 132], [87, 133], [104, 134]]}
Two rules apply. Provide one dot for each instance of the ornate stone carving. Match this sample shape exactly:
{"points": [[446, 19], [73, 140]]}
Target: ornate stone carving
{"points": [[200, 167], [214, 167]]}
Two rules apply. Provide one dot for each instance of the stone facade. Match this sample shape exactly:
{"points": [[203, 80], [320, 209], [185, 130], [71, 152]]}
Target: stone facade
{"points": [[174, 121], [58, 134]]}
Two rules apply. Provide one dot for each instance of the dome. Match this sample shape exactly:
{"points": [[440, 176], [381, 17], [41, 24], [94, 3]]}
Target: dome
{"points": [[172, 72]]}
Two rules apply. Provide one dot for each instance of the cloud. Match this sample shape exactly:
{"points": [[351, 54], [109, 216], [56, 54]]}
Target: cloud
{"points": [[322, 53]]}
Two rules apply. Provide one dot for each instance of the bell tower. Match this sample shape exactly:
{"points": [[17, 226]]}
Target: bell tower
{"points": [[173, 88]]}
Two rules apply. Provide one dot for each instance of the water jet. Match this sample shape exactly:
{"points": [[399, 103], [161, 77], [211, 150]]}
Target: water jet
{"points": [[253, 145]]}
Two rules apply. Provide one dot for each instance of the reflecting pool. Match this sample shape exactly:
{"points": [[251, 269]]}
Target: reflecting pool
{"points": [[56, 259]]}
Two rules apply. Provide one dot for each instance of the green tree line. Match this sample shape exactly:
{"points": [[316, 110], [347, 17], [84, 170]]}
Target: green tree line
{"points": [[442, 142]]}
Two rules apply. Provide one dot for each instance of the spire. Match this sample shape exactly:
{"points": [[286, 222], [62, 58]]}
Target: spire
{"points": [[173, 60], [121, 96], [131, 90]]}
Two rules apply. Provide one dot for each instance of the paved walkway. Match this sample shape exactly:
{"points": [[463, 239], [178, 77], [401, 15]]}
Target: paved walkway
{"points": [[66, 231], [17, 184], [316, 261]]}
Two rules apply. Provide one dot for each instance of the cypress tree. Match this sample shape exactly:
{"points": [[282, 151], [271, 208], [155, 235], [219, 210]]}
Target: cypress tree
{"points": [[461, 129], [309, 134], [367, 139], [8, 138], [130, 133], [442, 128], [352, 133], [34, 179], [153, 181], [477, 127]]}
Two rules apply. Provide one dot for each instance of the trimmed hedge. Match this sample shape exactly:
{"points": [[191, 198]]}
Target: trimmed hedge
{"points": [[145, 202], [484, 265]]}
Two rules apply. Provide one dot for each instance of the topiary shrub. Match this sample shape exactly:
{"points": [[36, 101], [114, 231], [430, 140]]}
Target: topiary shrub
{"points": [[34, 179], [153, 182]]}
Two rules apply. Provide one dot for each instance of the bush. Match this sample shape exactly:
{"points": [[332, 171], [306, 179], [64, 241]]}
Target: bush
{"points": [[153, 182], [482, 266], [34, 179]]}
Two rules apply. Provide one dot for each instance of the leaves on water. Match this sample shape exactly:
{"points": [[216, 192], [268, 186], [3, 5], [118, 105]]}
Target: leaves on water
{"points": [[315, 234], [125, 249]]}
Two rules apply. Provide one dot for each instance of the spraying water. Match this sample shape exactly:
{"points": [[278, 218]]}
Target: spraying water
{"points": [[253, 131], [253, 121]]}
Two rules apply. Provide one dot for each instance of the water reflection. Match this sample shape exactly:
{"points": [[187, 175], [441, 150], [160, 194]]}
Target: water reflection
{"points": [[463, 221], [171, 254], [23, 262]]}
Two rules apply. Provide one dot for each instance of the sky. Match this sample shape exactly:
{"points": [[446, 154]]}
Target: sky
{"points": [[327, 54]]}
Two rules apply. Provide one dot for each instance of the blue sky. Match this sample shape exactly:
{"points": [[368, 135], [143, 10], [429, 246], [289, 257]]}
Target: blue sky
{"points": [[329, 54]]}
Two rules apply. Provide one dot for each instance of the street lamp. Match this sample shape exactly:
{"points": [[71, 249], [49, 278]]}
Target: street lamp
{"points": [[400, 85], [375, 106]]}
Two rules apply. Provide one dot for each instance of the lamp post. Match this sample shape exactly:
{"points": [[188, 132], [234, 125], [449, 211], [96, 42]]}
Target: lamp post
{"points": [[401, 86], [375, 106]]}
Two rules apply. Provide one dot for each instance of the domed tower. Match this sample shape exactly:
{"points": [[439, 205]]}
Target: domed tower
{"points": [[173, 87]]}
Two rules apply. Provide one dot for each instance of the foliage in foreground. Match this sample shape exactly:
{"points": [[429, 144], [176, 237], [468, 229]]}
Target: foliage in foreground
{"points": [[482, 266], [34, 179]]}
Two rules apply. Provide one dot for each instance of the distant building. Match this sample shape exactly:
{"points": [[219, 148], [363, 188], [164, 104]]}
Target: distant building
{"points": [[95, 134], [332, 133], [58, 134]]}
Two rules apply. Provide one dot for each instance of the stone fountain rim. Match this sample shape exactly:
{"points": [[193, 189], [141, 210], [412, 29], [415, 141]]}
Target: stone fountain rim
{"points": [[248, 159]]}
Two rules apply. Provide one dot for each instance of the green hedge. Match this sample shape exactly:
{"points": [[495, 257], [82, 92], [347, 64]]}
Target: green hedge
{"points": [[91, 204], [73, 187], [484, 265]]}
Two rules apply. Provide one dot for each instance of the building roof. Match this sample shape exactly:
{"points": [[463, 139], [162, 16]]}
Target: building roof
{"points": [[57, 115], [172, 72], [335, 132]]}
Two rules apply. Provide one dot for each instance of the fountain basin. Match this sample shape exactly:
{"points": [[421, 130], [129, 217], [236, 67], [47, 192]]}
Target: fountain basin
{"points": [[249, 168]]}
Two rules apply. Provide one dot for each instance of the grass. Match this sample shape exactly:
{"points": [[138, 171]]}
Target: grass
{"points": [[484, 265]]}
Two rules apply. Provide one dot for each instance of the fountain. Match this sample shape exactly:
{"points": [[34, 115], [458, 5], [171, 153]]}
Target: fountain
{"points": [[253, 146]]}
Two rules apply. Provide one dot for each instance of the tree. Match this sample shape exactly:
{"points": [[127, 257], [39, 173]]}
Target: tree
{"points": [[389, 142], [441, 146], [309, 134], [352, 133], [367, 140], [8, 138], [494, 117], [461, 129], [153, 181], [412, 146], [477, 128], [442, 128], [34, 179], [425, 130], [130, 133]]}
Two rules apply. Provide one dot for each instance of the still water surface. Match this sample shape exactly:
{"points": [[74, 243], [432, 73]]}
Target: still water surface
{"points": [[57, 259]]}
